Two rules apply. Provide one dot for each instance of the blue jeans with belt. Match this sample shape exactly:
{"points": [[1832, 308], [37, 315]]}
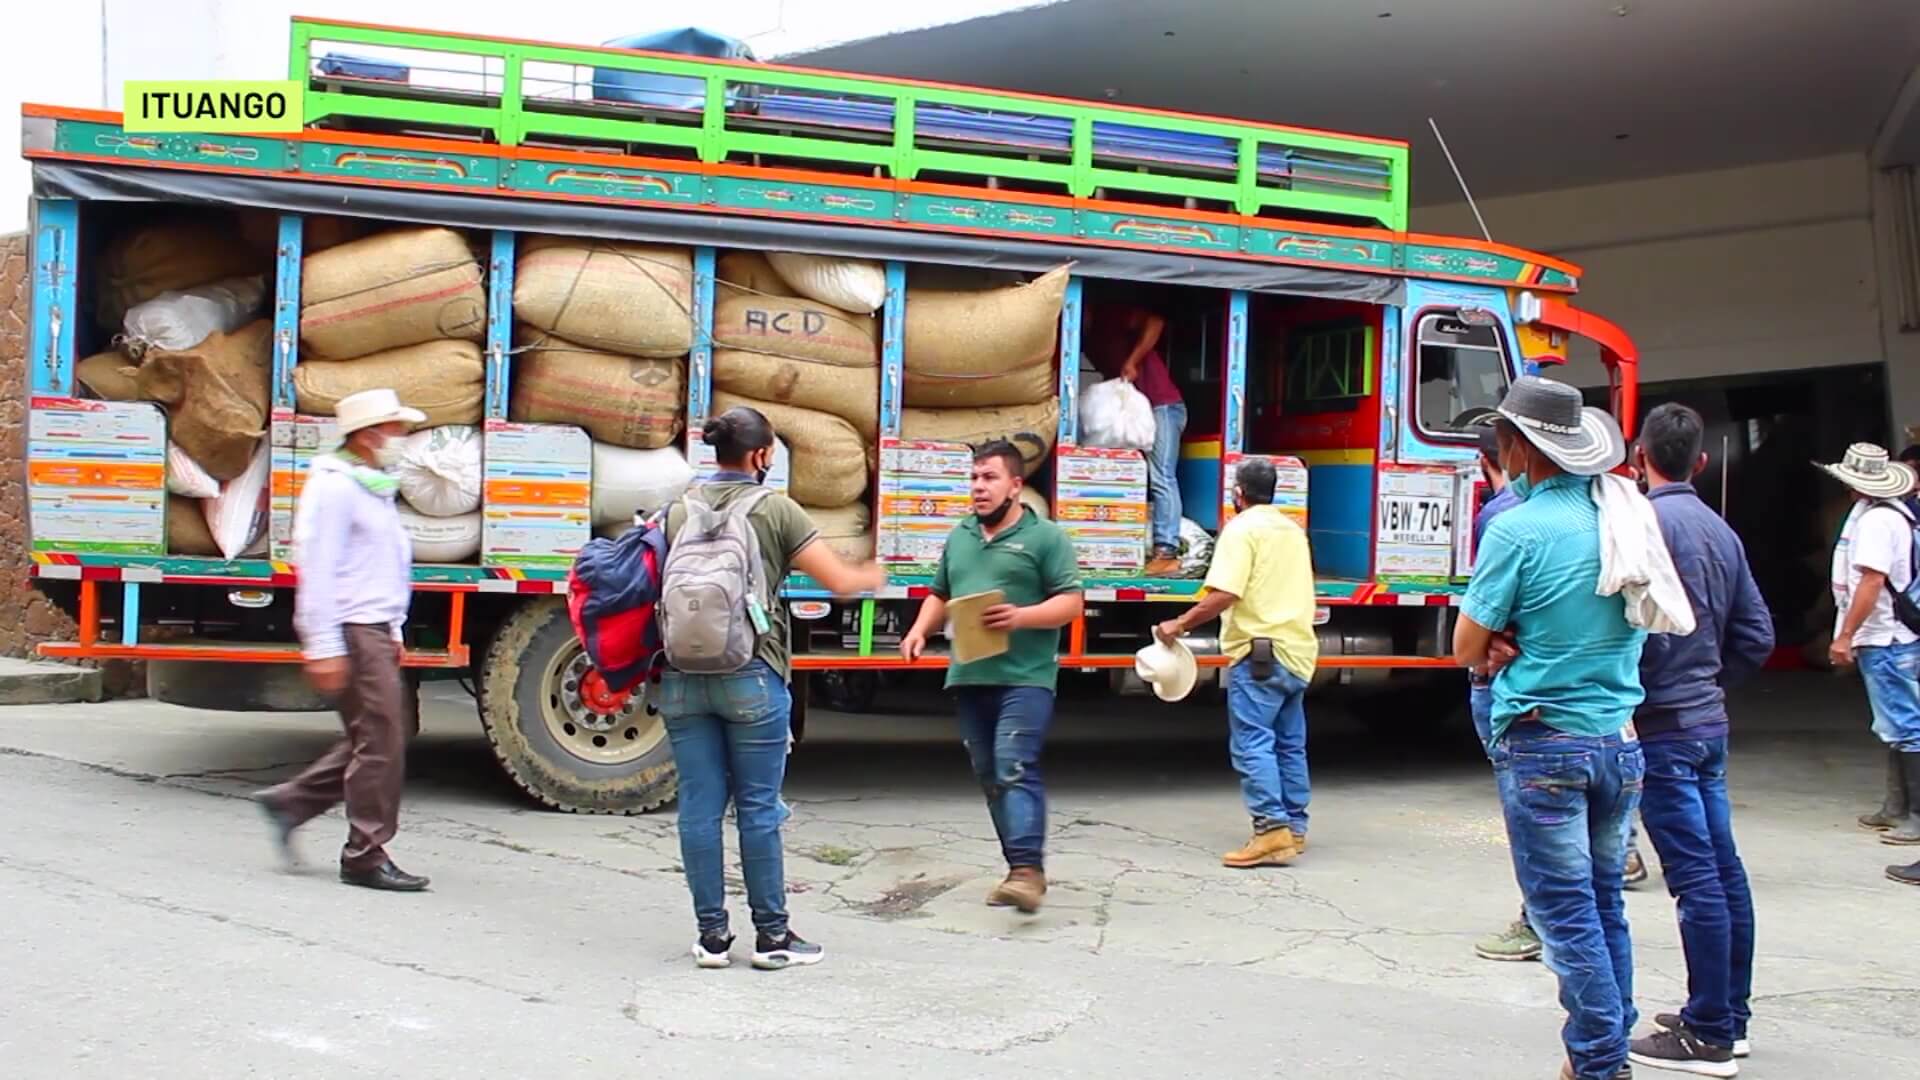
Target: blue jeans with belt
{"points": [[1005, 729], [1267, 739], [1690, 821], [729, 737], [1892, 675], [1568, 800]]}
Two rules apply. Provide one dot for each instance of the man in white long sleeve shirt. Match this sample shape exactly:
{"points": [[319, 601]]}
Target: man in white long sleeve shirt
{"points": [[355, 565]]}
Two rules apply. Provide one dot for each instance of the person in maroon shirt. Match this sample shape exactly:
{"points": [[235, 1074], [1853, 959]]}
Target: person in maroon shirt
{"points": [[1125, 344]]}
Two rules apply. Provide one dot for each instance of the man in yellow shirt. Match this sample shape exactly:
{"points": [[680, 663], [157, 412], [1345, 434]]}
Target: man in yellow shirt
{"points": [[1261, 587]]}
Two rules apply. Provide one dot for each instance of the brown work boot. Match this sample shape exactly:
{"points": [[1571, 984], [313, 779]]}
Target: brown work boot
{"points": [[1300, 841], [1162, 566], [1022, 889], [1275, 847]]}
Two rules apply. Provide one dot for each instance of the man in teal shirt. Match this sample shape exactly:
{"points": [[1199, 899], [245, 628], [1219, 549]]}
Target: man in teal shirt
{"points": [[1564, 752], [1006, 701]]}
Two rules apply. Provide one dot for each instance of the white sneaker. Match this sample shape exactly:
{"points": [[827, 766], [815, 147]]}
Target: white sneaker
{"points": [[713, 951]]}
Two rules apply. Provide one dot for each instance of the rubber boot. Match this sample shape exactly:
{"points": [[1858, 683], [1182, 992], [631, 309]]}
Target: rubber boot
{"points": [[1894, 810], [1907, 832]]}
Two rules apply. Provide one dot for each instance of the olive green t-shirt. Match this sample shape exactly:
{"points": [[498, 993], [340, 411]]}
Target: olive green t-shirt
{"points": [[1030, 562], [783, 529]]}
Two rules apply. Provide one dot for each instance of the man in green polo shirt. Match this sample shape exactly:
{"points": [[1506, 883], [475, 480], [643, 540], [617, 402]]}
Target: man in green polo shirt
{"points": [[1006, 701]]}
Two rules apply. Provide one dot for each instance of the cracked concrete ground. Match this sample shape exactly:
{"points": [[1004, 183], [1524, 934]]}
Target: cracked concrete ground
{"points": [[148, 932]]}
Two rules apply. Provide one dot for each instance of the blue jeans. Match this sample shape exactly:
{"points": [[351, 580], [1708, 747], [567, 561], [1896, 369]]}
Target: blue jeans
{"points": [[1690, 823], [1163, 482], [1267, 737], [729, 737], [1568, 800], [1480, 704], [1005, 728], [1892, 675]]}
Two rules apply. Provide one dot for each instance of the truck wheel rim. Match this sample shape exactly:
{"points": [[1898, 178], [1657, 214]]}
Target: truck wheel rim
{"points": [[593, 722]]}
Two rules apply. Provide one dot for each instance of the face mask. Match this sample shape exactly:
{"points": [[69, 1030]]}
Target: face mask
{"points": [[387, 454], [996, 515], [1521, 486], [760, 472]]}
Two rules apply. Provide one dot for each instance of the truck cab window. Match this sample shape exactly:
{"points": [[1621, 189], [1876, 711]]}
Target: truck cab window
{"points": [[1462, 373]]}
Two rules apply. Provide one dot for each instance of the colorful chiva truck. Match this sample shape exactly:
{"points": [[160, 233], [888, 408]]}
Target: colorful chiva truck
{"points": [[1304, 323]]}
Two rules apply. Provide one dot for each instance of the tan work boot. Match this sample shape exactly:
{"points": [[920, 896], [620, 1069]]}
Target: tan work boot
{"points": [[1162, 566], [1300, 841], [1275, 847], [1022, 889]]}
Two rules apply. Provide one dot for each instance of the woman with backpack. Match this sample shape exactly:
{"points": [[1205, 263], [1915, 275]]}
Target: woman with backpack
{"points": [[724, 693]]}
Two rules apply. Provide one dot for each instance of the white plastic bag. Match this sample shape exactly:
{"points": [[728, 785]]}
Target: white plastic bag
{"points": [[856, 285], [442, 539], [1196, 548], [1116, 415], [628, 482], [186, 478], [439, 470], [181, 320], [238, 515]]}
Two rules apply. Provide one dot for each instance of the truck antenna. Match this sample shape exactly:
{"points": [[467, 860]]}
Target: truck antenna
{"points": [[1458, 179]]}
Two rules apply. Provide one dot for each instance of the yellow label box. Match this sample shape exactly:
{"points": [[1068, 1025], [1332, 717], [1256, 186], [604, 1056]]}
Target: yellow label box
{"points": [[213, 106]]}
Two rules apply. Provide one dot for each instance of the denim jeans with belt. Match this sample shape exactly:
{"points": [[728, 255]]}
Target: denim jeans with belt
{"points": [[1267, 739], [1690, 822], [1163, 480], [729, 737], [1892, 675], [1568, 800], [1005, 728]]}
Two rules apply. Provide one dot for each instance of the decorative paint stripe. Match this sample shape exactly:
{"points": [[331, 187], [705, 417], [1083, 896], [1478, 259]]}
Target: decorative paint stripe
{"points": [[57, 572], [497, 587], [145, 574], [1335, 457]]}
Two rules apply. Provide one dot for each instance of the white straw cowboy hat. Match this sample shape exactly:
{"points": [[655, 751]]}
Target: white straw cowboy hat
{"points": [[1169, 669], [1554, 418], [370, 407], [1867, 469]]}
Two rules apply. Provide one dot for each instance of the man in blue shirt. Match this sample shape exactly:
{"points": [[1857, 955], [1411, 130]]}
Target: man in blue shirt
{"points": [[1564, 752], [1517, 942], [1683, 731]]}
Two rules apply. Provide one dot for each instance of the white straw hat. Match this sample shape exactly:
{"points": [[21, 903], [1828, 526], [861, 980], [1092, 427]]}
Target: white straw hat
{"points": [[370, 407], [1869, 470], [1169, 669]]}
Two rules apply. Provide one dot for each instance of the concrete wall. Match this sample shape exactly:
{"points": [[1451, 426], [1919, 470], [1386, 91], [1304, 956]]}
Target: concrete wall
{"points": [[1763, 268], [26, 618]]}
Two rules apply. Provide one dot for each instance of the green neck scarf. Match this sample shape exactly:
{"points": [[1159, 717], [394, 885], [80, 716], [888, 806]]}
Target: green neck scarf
{"points": [[374, 480]]}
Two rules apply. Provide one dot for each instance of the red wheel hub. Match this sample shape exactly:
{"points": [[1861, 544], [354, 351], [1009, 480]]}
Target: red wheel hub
{"points": [[600, 698]]}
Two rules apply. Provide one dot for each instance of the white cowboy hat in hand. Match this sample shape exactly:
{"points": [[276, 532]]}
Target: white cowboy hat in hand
{"points": [[1867, 469], [370, 407], [1169, 669]]}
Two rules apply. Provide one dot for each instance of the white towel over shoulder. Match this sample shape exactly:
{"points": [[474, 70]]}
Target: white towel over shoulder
{"points": [[1634, 560]]}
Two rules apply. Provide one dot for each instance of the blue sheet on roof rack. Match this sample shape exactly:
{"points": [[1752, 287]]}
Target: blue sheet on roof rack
{"points": [[1055, 134], [348, 66]]}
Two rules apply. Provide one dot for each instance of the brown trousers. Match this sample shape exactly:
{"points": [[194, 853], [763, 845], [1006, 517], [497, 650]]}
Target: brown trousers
{"points": [[367, 769]]}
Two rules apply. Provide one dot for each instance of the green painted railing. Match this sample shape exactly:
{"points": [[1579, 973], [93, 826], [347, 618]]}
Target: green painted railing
{"points": [[1304, 171]]}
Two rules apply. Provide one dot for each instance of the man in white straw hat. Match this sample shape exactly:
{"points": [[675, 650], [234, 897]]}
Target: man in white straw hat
{"points": [[1872, 560], [355, 563], [1260, 585], [1564, 752]]}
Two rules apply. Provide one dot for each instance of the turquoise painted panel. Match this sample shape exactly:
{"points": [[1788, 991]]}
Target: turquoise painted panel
{"points": [[857, 204], [952, 212], [412, 166], [227, 151], [1160, 232], [607, 181], [1345, 251]]}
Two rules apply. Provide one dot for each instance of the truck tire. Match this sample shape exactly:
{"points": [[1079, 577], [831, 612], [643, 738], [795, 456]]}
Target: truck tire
{"points": [[557, 730]]}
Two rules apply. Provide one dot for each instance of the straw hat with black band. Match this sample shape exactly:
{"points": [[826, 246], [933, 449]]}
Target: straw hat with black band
{"points": [[1556, 420], [1867, 469]]}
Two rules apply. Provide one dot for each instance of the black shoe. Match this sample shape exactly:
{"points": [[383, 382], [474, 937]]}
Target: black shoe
{"points": [[386, 876], [788, 950], [1680, 1050], [282, 827], [713, 950], [1742, 1046]]}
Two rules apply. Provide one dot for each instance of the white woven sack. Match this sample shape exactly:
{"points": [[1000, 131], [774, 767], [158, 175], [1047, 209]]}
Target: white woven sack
{"points": [[439, 471], [238, 515], [856, 285], [441, 539], [181, 320], [186, 478]]}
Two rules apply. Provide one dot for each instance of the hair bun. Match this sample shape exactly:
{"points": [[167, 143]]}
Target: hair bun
{"points": [[715, 429]]}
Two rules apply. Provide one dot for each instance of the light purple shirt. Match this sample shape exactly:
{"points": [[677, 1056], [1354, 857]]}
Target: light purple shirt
{"points": [[354, 559]]}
